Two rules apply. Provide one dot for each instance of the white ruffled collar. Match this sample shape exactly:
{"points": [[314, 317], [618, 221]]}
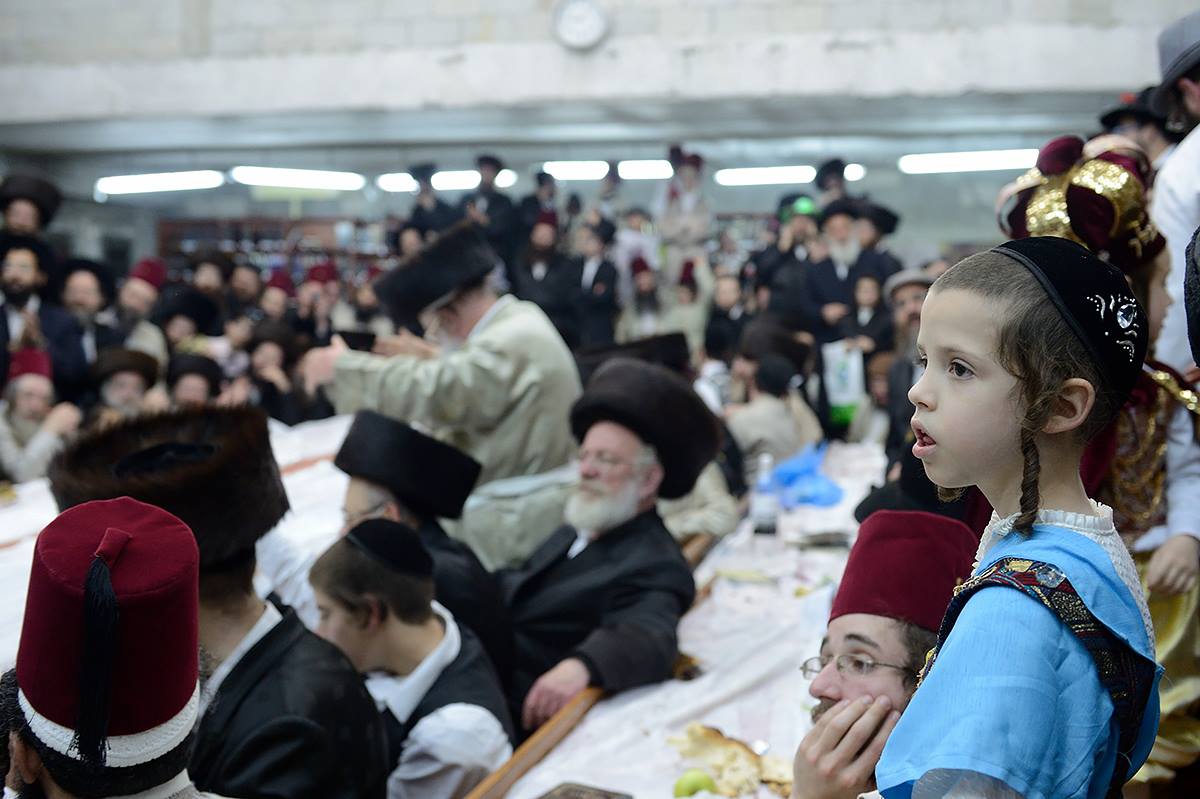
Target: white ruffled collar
{"points": [[1092, 525]]}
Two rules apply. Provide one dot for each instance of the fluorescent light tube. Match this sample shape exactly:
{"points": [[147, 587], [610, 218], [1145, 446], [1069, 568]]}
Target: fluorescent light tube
{"points": [[160, 181], [765, 175], [973, 161], [297, 178]]}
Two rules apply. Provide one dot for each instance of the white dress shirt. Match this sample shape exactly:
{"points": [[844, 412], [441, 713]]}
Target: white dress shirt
{"points": [[590, 267], [16, 320], [1176, 211], [451, 750]]}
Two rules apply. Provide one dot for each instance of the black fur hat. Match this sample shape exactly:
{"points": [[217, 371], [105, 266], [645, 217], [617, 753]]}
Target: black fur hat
{"points": [[428, 477], [211, 467], [662, 409], [42, 193], [457, 258]]}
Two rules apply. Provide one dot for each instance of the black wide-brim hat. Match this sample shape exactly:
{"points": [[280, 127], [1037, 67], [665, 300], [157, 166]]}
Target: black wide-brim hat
{"points": [[668, 349], [42, 193], [189, 303], [661, 409], [1094, 299], [1139, 107], [883, 218], [189, 364], [833, 168], [103, 275], [212, 467], [110, 362], [428, 477], [846, 206], [458, 257]]}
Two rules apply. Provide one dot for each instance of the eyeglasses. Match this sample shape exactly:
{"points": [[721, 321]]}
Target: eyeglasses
{"points": [[847, 665]]}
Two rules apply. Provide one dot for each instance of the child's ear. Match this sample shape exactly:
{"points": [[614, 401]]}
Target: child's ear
{"points": [[1072, 406]]}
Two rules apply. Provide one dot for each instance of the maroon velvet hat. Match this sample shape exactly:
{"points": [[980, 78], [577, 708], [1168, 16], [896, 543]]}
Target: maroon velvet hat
{"points": [[108, 662], [151, 270], [905, 565], [324, 272], [280, 279], [28, 361]]}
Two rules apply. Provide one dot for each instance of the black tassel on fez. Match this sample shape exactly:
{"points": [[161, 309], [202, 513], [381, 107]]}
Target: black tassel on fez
{"points": [[101, 620]]}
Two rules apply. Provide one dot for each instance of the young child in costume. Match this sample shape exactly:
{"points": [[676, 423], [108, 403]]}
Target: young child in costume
{"points": [[1146, 464], [1048, 688]]}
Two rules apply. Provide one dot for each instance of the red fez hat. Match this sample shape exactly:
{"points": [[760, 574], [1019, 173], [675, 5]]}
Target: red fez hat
{"points": [[324, 272], [30, 362], [280, 279], [639, 265], [905, 565], [548, 218], [108, 663], [151, 270], [694, 160]]}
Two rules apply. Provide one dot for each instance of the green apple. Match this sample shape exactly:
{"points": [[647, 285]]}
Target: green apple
{"points": [[693, 782]]}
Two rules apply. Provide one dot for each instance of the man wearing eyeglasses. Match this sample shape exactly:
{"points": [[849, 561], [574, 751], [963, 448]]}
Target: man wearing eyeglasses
{"points": [[400, 474], [899, 579], [599, 602]]}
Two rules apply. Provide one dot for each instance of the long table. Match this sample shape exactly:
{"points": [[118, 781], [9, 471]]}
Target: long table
{"points": [[765, 615], [766, 600]]}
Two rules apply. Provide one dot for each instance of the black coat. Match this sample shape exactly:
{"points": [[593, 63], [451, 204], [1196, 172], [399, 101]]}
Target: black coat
{"points": [[470, 593], [437, 219], [790, 302], [900, 408], [598, 307], [502, 228], [470, 679], [292, 720], [824, 286], [615, 606], [880, 328], [64, 343], [557, 293]]}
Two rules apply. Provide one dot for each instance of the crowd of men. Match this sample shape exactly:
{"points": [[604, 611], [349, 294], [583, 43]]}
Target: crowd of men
{"points": [[551, 406]]}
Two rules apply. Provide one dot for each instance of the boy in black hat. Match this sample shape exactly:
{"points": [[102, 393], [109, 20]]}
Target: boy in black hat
{"points": [[430, 214], [597, 285], [444, 710], [403, 475]]}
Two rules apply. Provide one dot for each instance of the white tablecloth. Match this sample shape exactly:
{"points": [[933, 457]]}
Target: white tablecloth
{"points": [[750, 639]]}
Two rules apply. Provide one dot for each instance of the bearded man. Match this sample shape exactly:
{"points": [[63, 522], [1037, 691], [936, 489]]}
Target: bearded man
{"points": [[830, 281], [599, 602]]}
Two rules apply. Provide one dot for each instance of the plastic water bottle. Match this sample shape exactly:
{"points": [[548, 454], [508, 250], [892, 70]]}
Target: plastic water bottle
{"points": [[764, 501]]}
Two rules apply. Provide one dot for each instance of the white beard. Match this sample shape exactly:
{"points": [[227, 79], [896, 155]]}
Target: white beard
{"points": [[599, 513], [845, 253]]}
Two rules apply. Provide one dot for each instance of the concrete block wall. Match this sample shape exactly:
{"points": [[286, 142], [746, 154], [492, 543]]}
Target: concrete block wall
{"points": [[89, 59]]}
